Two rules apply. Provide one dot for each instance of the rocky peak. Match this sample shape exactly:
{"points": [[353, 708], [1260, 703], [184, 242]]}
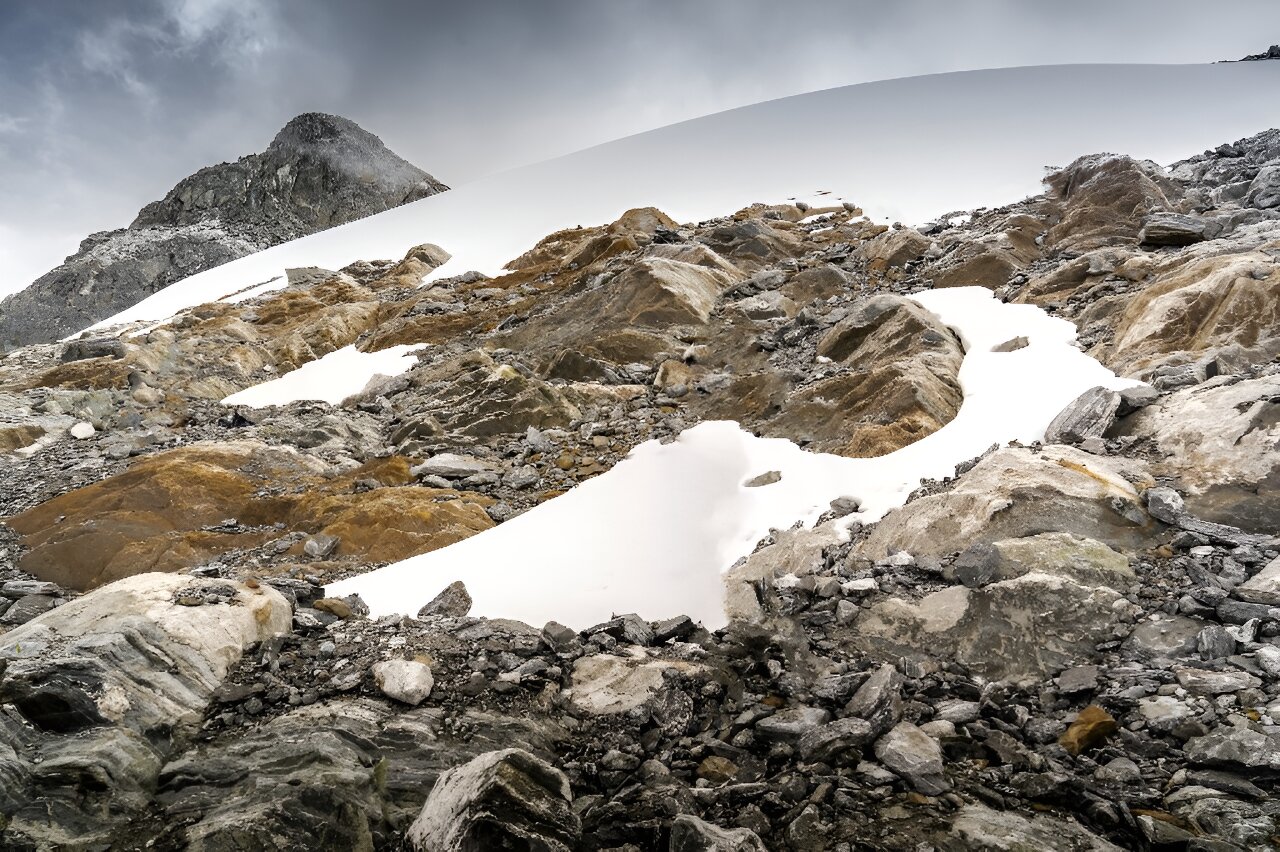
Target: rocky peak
{"points": [[319, 171], [1272, 52]]}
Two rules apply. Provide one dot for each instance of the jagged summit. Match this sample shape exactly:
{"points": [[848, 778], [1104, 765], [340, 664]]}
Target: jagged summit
{"points": [[1272, 52], [319, 171]]}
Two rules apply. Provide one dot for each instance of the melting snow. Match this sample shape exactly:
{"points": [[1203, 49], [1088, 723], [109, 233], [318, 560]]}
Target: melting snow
{"points": [[904, 150], [654, 534], [330, 379]]}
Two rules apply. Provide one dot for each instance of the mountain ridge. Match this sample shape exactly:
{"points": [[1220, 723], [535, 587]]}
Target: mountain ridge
{"points": [[318, 171]]}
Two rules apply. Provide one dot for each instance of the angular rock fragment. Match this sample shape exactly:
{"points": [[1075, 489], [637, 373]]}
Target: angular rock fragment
{"points": [[453, 602], [690, 834], [914, 755], [1090, 415], [508, 799]]}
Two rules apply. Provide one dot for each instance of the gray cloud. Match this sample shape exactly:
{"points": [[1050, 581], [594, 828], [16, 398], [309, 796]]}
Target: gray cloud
{"points": [[104, 105]]}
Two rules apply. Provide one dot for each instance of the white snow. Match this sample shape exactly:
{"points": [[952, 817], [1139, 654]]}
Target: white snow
{"points": [[905, 150], [654, 534], [330, 379]]}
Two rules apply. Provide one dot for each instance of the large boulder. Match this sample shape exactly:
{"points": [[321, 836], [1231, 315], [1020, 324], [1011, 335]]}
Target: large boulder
{"points": [[1103, 199], [1207, 305], [102, 714], [339, 774], [508, 799], [898, 383], [978, 827], [1025, 628], [1218, 442], [1015, 492]]}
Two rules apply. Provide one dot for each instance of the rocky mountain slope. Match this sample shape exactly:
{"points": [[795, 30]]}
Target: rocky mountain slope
{"points": [[1072, 644], [319, 171]]}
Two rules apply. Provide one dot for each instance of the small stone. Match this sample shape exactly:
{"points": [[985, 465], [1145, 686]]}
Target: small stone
{"points": [[15, 589], [827, 742], [1215, 643], [1235, 748], [407, 681], [767, 478], [1263, 587], [334, 606], [717, 769], [320, 546], [793, 723], [1078, 679], [451, 466], [82, 430], [1205, 682], [879, 700], [690, 834]]}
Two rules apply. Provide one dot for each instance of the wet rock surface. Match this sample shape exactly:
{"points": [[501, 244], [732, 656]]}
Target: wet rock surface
{"points": [[1069, 645]]}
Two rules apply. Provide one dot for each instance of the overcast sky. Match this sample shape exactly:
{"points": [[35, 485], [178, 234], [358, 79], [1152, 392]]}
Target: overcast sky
{"points": [[104, 105]]}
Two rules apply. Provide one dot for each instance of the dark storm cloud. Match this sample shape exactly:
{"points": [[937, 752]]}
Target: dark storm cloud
{"points": [[105, 104]]}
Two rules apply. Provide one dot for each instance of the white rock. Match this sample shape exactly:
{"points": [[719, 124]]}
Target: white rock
{"points": [[82, 430], [1263, 587], [604, 684], [406, 681]]}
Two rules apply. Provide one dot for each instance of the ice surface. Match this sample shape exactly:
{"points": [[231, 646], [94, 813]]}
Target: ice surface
{"points": [[654, 534], [907, 150], [330, 379]]}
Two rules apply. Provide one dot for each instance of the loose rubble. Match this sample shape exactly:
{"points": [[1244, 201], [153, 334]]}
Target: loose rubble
{"points": [[1071, 645]]}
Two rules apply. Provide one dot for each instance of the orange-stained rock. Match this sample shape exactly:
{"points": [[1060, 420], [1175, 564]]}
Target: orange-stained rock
{"points": [[1090, 730], [167, 512]]}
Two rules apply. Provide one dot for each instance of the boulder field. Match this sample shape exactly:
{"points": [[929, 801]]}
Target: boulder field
{"points": [[1069, 644]]}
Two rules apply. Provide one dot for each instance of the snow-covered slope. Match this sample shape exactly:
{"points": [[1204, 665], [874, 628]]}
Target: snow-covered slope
{"points": [[907, 149], [654, 534]]}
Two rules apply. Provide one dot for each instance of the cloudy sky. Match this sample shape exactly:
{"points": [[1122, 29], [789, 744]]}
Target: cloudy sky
{"points": [[104, 105]]}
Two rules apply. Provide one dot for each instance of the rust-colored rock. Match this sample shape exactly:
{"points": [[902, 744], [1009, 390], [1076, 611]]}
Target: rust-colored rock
{"points": [[169, 511], [1090, 730]]}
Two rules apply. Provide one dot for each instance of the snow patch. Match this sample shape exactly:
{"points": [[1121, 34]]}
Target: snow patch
{"points": [[654, 534], [330, 379]]}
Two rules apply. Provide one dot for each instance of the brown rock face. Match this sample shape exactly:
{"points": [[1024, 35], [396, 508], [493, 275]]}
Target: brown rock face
{"points": [[1201, 305], [167, 512], [901, 383], [1103, 200]]}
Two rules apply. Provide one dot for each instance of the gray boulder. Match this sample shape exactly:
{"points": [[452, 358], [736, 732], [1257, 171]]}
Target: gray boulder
{"points": [[453, 602], [690, 834], [1088, 416], [915, 756], [1173, 229], [100, 712], [506, 799]]}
